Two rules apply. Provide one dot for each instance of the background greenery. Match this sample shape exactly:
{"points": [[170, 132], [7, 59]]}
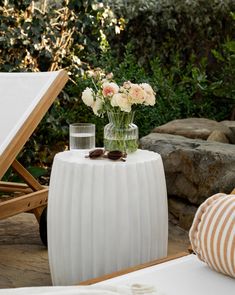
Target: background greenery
{"points": [[184, 48]]}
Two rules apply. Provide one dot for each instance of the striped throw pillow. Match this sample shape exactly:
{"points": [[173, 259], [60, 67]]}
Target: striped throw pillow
{"points": [[212, 234]]}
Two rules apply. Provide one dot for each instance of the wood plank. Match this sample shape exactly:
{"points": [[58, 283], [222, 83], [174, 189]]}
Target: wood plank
{"points": [[9, 189], [23, 203], [15, 146], [13, 187], [131, 269], [16, 185], [26, 176]]}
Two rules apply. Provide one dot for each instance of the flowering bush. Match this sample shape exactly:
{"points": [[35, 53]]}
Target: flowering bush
{"points": [[109, 95]]}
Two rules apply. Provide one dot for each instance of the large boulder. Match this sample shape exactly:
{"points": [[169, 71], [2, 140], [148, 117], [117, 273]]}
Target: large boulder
{"points": [[194, 169], [217, 136], [183, 213], [230, 124], [196, 128]]}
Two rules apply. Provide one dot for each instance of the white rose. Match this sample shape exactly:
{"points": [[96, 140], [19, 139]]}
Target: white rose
{"points": [[87, 97], [97, 106], [109, 76], [121, 100], [149, 94], [127, 85], [147, 88], [114, 100]]}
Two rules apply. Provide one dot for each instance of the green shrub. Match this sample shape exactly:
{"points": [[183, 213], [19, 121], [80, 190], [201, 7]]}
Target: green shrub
{"points": [[163, 27], [226, 74]]}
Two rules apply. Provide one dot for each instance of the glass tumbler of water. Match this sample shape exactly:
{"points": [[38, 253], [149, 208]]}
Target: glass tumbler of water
{"points": [[81, 136]]}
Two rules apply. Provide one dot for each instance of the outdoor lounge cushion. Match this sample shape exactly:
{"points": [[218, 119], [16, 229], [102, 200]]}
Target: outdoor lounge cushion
{"points": [[83, 290], [183, 276], [212, 233]]}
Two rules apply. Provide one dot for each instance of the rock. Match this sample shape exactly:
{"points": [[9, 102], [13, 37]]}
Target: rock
{"points": [[195, 128], [218, 136], [176, 206], [194, 169], [172, 219], [183, 212], [186, 217], [229, 124]]}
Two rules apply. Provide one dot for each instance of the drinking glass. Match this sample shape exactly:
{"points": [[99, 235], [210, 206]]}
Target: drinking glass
{"points": [[81, 136]]}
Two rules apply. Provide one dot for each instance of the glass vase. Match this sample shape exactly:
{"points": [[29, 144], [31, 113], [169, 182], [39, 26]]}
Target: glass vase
{"points": [[120, 133]]}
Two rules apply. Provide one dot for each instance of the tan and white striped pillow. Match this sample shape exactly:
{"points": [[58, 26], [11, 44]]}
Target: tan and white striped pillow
{"points": [[212, 234]]}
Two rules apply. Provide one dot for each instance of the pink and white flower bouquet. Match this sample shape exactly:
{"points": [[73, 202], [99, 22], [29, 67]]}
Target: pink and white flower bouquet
{"points": [[109, 95], [119, 102]]}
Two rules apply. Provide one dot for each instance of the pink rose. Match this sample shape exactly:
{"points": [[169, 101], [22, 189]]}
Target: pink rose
{"points": [[136, 94], [109, 89], [121, 100], [149, 94]]}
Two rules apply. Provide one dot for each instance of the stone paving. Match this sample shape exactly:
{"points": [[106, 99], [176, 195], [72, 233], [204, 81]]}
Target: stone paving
{"points": [[24, 260]]}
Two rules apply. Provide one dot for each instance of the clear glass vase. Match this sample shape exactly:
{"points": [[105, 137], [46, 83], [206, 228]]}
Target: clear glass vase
{"points": [[120, 133]]}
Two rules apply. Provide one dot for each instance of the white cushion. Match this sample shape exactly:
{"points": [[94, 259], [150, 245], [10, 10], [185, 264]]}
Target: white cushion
{"points": [[183, 276]]}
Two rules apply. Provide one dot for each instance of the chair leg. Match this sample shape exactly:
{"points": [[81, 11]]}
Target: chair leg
{"points": [[43, 227]]}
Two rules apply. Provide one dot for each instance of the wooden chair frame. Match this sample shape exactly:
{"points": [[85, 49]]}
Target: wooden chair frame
{"points": [[32, 195]]}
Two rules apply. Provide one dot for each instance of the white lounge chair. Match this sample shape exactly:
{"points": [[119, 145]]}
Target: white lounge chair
{"points": [[24, 100], [181, 274], [185, 275]]}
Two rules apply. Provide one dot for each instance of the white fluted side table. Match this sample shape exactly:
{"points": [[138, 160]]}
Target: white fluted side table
{"points": [[104, 216]]}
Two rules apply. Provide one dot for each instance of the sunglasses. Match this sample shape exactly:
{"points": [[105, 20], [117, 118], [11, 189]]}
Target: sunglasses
{"points": [[112, 155]]}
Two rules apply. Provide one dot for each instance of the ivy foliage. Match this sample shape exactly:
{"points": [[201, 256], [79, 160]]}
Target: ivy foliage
{"points": [[44, 38]]}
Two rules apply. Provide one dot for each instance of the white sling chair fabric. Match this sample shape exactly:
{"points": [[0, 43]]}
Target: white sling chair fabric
{"points": [[19, 94]]}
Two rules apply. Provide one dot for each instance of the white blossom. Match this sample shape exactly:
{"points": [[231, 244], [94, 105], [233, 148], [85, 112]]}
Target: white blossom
{"points": [[87, 97], [121, 100], [97, 106], [149, 94]]}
